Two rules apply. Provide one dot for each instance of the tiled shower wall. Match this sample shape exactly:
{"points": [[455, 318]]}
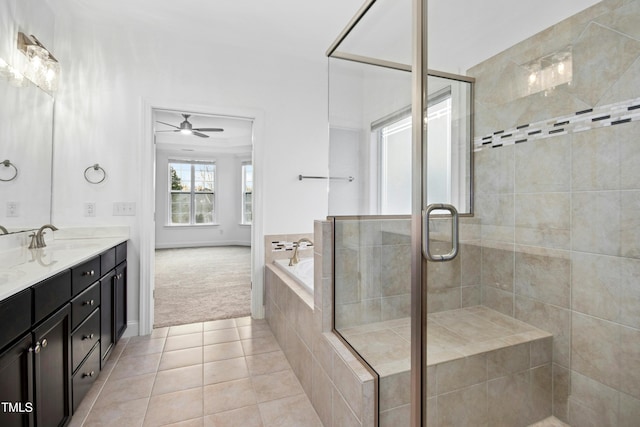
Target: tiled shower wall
{"points": [[559, 215], [372, 271]]}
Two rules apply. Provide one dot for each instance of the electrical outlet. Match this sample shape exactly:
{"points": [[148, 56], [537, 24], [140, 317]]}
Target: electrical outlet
{"points": [[89, 209], [13, 209]]}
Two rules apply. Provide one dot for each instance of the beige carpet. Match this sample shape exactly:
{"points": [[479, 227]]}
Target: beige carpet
{"points": [[201, 284]]}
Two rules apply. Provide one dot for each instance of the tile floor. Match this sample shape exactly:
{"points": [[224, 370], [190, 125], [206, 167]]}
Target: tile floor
{"points": [[222, 373]]}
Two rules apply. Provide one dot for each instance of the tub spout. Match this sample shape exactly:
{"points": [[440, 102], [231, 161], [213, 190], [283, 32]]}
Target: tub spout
{"points": [[294, 259]]}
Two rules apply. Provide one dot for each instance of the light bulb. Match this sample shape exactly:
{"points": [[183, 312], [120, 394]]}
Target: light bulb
{"points": [[186, 131], [532, 78], [561, 68]]}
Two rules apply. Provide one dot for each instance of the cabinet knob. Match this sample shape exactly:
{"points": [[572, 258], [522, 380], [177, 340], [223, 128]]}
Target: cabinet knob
{"points": [[90, 302], [44, 343], [87, 337], [90, 374], [35, 349], [89, 273]]}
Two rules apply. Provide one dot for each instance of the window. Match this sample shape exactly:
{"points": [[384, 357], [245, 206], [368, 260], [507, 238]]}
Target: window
{"points": [[247, 193], [448, 150], [191, 192]]}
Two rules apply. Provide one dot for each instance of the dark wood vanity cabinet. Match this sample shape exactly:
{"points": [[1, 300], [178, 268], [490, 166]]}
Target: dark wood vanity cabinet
{"points": [[56, 336]]}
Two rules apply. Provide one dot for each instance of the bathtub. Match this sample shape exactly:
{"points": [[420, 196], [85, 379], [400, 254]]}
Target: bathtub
{"points": [[302, 272]]}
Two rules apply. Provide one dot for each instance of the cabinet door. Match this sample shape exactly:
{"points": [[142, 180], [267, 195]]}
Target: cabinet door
{"points": [[120, 300], [16, 385], [52, 371], [107, 335]]}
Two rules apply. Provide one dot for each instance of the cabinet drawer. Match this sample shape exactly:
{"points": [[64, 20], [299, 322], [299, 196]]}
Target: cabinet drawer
{"points": [[50, 294], [86, 376], [15, 316], [121, 252], [85, 337], [84, 304], [85, 274], [108, 261]]}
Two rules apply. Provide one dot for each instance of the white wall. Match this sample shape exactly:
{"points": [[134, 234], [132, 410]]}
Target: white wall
{"points": [[228, 230], [110, 69]]}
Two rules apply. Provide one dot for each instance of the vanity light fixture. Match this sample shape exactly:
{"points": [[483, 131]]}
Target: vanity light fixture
{"points": [[43, 68], [549, 71], [11, 74]]}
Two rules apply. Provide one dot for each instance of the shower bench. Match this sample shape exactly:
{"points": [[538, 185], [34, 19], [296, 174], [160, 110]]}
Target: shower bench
{"points": [[483, 368]]}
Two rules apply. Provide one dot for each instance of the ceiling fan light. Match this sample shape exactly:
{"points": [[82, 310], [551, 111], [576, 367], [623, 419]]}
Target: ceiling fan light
{"points": [[186, 131]]}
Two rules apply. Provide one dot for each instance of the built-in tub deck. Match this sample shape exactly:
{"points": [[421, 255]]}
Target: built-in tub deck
{"points": [[466, 348]]}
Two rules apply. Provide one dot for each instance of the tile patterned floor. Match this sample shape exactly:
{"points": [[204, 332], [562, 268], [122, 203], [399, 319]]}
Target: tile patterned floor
{"points": [[222, 373]]}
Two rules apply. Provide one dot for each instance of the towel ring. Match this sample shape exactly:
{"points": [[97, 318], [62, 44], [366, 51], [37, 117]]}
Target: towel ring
{"points": [[8, 164], [95, 167]]}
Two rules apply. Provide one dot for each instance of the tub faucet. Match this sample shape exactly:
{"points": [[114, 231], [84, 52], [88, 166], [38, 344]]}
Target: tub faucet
{"points": [[37, 239], [294, 259], [3, 230]]}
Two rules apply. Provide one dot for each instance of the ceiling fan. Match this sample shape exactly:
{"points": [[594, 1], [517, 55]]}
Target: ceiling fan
{"points": [[187, 129]]}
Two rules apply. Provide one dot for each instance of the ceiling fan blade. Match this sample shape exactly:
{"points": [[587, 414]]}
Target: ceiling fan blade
{"points": [[168, 124], [201, 135], [169, 130], [210, 129]]}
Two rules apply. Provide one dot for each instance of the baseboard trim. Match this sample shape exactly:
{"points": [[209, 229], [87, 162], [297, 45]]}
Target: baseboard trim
{"points": [[133, 329], [201, 244]]}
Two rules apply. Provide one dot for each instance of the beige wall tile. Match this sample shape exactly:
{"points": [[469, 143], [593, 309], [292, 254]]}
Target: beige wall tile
{"points": [[400, 416], [498, 268], [561, 389], [348, 385], [629, 361], [592, 403], [461, 373], [395, 390], [593, 228], [550, 318], [629, 292], [595, 349], [508, 360], [498, 300], [322, 394], [595, 161], [544, 275], [629, 149], [595, 285], [630, 224], [629, 411], [464, 408], [508, 400], [543, 219], [442, 299], [540, 166], [493, 170], [342, 413]]}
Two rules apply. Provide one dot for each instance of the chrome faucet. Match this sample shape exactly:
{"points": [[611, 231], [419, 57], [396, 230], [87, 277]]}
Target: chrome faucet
{"points": [[294, 259], [4, 230], [37, 239]]}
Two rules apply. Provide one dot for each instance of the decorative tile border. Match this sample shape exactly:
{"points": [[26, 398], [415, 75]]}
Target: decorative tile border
{"points": [[288, 246], [593, 118]]}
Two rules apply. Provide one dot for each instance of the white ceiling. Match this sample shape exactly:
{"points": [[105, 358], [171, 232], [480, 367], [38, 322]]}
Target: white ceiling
{"points": [[236, 137], [461, 33]]}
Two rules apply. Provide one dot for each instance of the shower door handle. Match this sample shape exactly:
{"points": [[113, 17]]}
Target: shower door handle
{"points": [[426, 250]]}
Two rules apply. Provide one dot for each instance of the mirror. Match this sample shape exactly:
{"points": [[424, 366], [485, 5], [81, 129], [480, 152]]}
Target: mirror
{"points": [[26, 141]]}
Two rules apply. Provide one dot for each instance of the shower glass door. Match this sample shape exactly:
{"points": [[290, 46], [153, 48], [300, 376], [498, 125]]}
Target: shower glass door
{"points": [[538, 312]]}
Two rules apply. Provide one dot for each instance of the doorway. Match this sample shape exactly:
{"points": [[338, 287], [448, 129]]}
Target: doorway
{"points": [[204, 212]]}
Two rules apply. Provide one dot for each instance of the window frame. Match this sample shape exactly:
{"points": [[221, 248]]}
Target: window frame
{"points": [[192, 193], [243, 192]]}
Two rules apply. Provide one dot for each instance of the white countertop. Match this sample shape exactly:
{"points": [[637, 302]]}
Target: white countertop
{"points": [[21, 267]]}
